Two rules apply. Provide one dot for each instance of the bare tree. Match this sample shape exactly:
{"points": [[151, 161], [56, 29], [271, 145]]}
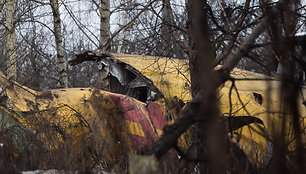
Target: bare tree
{"points": [[201, 109], [230, 33], [104, 43], [123, 32], [104, 26], [61, 60], [170, 39], [11, 40]]}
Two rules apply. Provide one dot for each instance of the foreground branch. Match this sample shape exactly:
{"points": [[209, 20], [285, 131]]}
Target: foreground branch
{"points": [[189, 114]]}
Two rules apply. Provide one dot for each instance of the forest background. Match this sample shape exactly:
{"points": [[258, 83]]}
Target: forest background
{"points": [[39, 37]]}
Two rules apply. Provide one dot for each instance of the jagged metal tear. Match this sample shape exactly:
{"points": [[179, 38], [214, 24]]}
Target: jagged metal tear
{"points": [[117, 71]]}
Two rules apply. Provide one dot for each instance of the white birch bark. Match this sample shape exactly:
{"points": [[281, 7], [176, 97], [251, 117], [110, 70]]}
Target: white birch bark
{"points": [[61, 60], [11, 41], [104, 26], [122, 34], [104, 44]]}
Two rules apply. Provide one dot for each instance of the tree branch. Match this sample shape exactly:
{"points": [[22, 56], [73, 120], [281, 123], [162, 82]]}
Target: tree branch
{"points": [[76, 22], [230, 46], [189, 114], [173, 30], [132, 21]]}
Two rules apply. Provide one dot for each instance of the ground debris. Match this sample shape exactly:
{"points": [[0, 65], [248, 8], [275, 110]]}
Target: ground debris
{"points": [[54, 171]]}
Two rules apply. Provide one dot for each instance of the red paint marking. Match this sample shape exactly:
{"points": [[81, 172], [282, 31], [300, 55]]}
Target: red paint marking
{"points": [[130, 110], [157, 115], [140, 142]]}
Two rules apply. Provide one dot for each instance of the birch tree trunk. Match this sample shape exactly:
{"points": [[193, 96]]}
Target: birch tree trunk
{"points": [[122, 34], [104, 44], [104, 26], [11, 41], [61, 61]]}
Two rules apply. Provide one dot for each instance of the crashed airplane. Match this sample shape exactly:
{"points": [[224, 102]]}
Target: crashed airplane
{"points": [[147, 94]]}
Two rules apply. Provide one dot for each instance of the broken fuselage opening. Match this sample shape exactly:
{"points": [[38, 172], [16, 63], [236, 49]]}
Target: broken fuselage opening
{"points": [[122, 77]]}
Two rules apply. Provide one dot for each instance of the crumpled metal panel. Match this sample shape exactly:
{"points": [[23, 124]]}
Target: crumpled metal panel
{"points": [[117, 71]]}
